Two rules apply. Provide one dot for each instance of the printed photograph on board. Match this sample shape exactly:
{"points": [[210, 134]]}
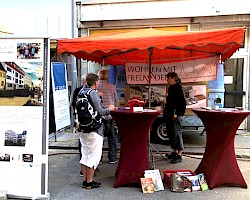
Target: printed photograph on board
{"points": [[27, 157], [195, 95], [21, 83], [4, 157], [13, 138], [28, 50]]}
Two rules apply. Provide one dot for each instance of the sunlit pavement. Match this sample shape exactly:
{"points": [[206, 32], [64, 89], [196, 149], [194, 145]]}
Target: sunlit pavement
{"points": [[65, 181]]}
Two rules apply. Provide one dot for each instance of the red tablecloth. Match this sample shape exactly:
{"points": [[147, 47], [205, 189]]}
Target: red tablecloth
{"points": [[134, 129], [219, 162]]}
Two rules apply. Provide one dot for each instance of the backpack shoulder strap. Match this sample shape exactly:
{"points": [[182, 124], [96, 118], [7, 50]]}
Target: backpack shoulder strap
{"points": [[88, 92], [85, 90]]}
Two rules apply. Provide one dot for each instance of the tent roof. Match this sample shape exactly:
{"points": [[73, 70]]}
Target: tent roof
{"points": [[133, 46]]}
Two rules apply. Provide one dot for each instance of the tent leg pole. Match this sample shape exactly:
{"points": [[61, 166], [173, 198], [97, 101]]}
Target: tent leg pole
{"points": [[150, 51]]}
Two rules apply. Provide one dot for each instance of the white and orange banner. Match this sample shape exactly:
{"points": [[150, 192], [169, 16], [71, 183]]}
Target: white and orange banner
{"points": [[188, 71]]}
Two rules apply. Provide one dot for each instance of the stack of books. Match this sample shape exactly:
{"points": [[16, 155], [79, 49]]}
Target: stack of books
{"points": [[203, 182], [185, 181], [147, 185], [152, 181], [180, 183]]}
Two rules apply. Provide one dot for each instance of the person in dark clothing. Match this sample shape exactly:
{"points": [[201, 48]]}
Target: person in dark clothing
{"points": [[76, 91], [173, 112], [73, 104]]}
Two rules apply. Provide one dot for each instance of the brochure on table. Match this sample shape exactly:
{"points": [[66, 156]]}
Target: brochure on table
{"points": [[24, 117]]}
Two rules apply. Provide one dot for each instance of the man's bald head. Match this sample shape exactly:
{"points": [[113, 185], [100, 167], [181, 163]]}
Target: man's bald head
{"points": [[103, 74]]}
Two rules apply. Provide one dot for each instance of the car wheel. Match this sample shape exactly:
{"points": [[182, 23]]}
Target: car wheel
{"points": [[159, 132]]}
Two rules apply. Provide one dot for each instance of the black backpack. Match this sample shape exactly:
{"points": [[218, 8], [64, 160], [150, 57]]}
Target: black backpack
{"points": [[87, 117]]}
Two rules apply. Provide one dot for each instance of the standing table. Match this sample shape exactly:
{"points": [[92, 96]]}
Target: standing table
{"points": [[134, 129], [219, 162]]}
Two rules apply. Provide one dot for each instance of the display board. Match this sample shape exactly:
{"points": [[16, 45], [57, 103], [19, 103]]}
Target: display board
{"points": [[24, 118], [60, 95]]}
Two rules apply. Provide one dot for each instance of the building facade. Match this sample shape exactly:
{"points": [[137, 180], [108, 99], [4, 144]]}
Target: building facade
{"points": [[14, 76]]}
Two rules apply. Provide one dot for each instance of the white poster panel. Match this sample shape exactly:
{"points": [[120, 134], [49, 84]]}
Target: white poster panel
{"points": [[60, 95], [24, 117], [20, 156], [188, 71]]}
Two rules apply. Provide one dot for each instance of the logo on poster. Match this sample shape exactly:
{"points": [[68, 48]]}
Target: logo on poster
{"points": [[6, 48]]}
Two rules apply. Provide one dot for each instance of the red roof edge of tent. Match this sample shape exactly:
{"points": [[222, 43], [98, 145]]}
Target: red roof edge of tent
{"points": [[120, 48]]}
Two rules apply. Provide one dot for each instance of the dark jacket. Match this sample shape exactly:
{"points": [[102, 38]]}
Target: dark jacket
{"points": [[76, 91], [175, 101]]}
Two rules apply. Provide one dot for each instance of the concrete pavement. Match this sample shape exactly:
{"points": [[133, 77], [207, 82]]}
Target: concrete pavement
{"points": [[65, 182]]}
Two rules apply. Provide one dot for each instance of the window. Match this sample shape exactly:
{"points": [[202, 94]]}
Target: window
{"points": [[9, 69], [234, 91]]}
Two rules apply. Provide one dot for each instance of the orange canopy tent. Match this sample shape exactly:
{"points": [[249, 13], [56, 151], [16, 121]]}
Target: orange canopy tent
{"points": [[153, 46]]}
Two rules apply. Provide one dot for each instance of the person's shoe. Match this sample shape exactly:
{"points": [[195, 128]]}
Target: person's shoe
{"points": [[113, 162], [81, 174], [84, 184], [92, 185], [172, 155], [177, 159]]}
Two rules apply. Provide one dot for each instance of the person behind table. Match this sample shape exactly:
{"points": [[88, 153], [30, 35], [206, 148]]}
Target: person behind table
{"points": [[92, 143], [109, 97], [73, 104], [173, 112]]}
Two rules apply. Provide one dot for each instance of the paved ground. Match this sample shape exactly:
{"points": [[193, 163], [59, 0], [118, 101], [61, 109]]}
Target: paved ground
{"points": [[65, 182]]}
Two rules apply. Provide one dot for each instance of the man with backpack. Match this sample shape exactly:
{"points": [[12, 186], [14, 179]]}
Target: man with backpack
{"points": [[91, 135]]}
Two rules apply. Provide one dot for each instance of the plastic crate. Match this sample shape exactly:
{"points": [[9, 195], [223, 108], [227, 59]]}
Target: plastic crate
{"points": [[167, 173]]}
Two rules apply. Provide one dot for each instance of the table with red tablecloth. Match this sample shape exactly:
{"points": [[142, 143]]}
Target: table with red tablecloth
{"points": [[219, 162], [133, 128]]}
